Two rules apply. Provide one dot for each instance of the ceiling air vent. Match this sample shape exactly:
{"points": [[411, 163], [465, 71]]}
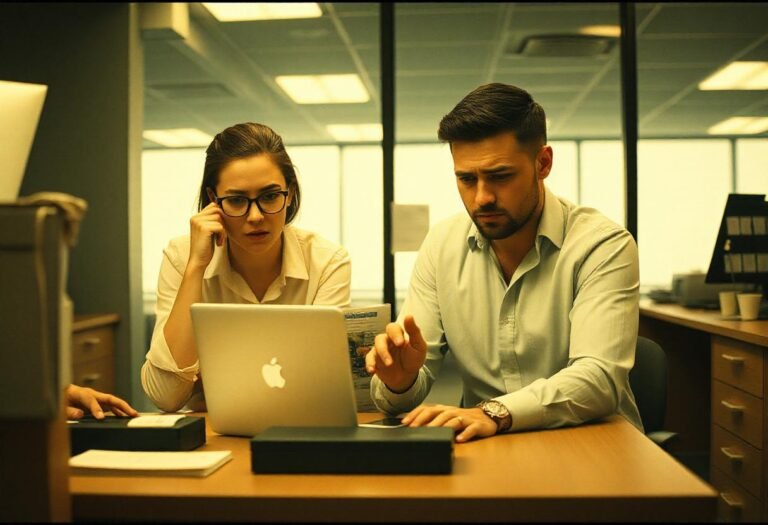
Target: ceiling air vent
{"points": [[565, 46]]}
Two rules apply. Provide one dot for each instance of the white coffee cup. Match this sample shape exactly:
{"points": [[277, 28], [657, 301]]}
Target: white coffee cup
{"points": [[728, 304], [749, 305]]}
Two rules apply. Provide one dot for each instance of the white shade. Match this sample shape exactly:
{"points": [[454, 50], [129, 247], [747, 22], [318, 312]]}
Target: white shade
{"points": [[324, 89], [241, 11], [738, 75]]}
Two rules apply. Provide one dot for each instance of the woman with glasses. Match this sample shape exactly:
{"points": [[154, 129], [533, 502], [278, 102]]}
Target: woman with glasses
{"points": [[241, 249]]}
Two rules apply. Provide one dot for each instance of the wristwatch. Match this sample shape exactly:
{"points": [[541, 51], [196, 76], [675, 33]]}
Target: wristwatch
{"points": [[498, 412]]}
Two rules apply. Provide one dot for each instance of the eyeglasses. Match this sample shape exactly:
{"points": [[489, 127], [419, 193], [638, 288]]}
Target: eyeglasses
{"points": [[238, 205]]}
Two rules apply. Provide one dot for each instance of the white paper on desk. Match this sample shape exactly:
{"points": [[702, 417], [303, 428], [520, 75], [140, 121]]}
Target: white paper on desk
{"points": [[121, 462], [410, 224], [155, 420]]}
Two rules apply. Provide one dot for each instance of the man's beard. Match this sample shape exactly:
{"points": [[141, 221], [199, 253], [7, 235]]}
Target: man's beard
{"points": [[506, 225]]}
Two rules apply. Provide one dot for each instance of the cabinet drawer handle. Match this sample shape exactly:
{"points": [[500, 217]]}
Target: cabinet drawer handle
{"points": [[731, 500], [735, 359], [732, 407], [730, 454], [91, 379], [91, 341]]}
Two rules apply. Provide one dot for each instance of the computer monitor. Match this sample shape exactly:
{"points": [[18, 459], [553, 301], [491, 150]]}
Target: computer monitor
{"points": [[741, 249], [20, 107]]}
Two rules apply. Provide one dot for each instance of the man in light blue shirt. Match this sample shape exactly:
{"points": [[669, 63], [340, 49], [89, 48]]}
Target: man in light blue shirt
{"points": [[536, 297]]}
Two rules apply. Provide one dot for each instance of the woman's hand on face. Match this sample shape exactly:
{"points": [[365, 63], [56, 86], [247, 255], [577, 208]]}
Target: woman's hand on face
{"points": [[206, 228]]}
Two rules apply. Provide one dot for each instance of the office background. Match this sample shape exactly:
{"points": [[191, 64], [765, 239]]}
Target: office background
{"points": [[112, 79]]}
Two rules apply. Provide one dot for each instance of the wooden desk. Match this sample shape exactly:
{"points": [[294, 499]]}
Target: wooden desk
{"points": [[716, 399], [603, 471]]}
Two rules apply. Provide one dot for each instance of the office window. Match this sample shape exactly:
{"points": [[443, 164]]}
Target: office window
{"points": [[170, 186], [363, 220], [752, 166], [319, 177], [681, 197], [602, 178], [423, 175], [563, 180]]}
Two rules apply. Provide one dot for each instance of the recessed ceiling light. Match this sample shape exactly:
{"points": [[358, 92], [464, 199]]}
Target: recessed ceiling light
{"points": [[738, 75], [178, 138], [740, 126], [355, 132], [324, 89], [238, 12], [612, 31]]}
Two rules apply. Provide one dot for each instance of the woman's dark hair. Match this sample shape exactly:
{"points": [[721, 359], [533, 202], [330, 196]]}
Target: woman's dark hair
{"points": [[245, 140], [492, 109]]}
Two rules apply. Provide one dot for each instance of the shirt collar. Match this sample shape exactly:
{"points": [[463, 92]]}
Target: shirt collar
{"points": [[551, 224], [294, 264]]}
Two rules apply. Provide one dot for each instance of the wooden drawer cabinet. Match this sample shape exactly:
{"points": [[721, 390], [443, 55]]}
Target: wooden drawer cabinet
{"points": [[739, 412], [738, 364], [93, 351], [734, 503], [737, 460]]}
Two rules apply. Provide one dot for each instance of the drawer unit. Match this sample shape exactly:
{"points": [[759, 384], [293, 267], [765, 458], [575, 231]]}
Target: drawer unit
{"points": [[734, 503], [98, 374], [742, 462], [737, 461], [738, 412], [93, 343], [93, 352], [738, 364]]}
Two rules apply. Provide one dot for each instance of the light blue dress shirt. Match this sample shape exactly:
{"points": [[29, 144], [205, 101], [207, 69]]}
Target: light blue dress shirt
{"points": [[555, 345]]}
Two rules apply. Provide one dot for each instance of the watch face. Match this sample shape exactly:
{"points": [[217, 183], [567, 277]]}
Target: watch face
{"points": [[495, 408]]}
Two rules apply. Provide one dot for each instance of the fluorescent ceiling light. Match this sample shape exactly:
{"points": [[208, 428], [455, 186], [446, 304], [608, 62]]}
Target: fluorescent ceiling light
{"points": [[613, 31], [738, 75], [178, 138], [740, 126], [238, 12], [324, 89], [355, 132]]}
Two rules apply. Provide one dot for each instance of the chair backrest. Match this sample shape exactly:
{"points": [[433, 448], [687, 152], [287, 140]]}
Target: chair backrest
{"points": [[648, 380]]}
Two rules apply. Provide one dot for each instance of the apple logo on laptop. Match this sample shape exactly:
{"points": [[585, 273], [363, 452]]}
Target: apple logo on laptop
{"points": [[271, 374]]}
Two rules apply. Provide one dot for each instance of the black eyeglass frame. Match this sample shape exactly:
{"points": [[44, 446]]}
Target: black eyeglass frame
{"points": [[255, 200]]}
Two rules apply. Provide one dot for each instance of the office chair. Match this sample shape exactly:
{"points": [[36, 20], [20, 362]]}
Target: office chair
{"points": [[648, 380]]}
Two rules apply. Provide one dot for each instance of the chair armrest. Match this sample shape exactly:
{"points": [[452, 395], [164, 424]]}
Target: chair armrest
{"points": [[661, 437]]}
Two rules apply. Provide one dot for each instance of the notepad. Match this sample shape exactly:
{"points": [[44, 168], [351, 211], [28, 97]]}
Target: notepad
{"points": [[127, 463]]}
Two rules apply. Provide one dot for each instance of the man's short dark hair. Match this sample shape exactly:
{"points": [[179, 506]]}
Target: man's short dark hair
{"points": [[492, 109]]}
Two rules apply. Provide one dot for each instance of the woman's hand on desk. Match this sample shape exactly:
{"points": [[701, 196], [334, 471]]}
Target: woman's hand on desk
{"points": [[81, 399]]}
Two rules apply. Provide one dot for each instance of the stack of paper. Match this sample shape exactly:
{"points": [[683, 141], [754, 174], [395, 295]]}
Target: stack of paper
{"points": [[127, 463]]}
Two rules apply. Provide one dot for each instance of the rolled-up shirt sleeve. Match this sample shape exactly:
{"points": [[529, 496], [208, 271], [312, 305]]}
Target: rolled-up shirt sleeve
{"points": [[603, 336], [168, 386]]}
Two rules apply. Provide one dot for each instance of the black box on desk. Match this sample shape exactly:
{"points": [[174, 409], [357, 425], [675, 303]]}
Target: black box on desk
{"points": [[352, 450], [113, 433]]}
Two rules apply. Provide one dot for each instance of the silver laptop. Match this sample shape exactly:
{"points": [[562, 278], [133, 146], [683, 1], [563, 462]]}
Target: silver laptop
{"points": [[273, 365], [20, 107]]}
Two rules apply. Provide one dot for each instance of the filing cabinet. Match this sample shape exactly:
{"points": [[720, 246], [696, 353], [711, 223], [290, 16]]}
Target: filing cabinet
{"points": [[737, 455], [93, 351]]}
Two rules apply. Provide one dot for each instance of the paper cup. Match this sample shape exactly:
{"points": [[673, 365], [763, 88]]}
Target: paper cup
{"points": [[749, 305], [728, 304]]}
